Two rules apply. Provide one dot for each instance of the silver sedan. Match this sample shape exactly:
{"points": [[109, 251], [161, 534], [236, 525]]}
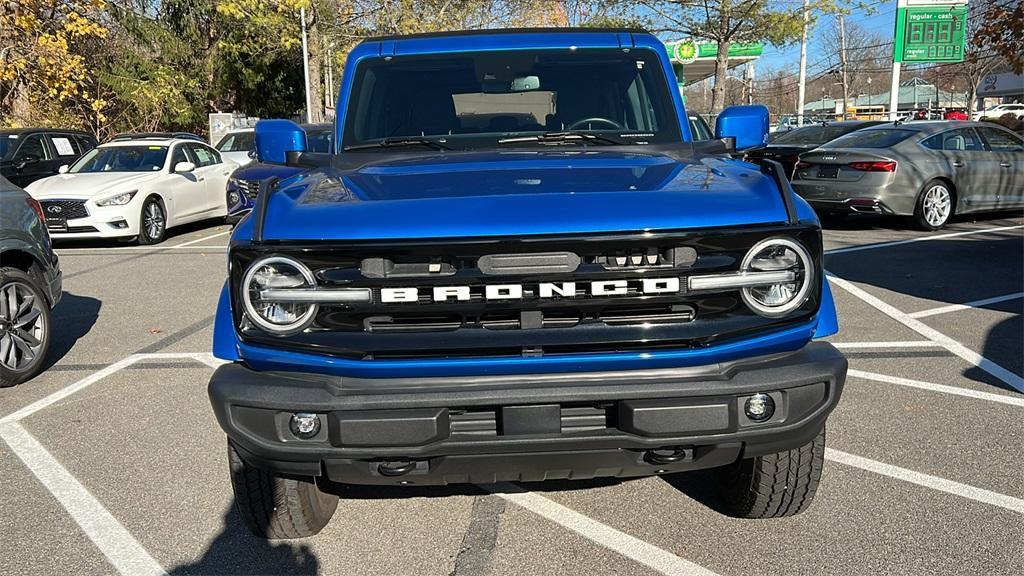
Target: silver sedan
{"points": [[927, 170]]}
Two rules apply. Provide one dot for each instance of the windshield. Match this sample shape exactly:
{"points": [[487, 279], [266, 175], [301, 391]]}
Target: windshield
{"points": [[7, 142], [121, 159], [237, 142], [474, 100], [812, 135], [879, 138], [319, 140]]}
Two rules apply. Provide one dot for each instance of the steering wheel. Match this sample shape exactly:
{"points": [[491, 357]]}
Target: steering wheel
{"points": [[595, 120]]}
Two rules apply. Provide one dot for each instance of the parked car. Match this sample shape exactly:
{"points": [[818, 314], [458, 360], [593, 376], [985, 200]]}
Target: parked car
{"points": [[519, 267], [30, 285], [997, 111], [956, 114], [238, 146], [787, 147], [28, 154], [135, 187], [699, 127], [244, 185], [927, 170]]}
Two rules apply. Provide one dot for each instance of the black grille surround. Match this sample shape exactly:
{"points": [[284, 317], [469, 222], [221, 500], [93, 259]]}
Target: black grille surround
{"points": [[70, 209], [530, 327]]}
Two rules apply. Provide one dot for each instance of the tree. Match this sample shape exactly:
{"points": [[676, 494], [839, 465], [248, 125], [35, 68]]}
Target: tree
{"points": [[729, 21], [1000, 29], [45, 75]]}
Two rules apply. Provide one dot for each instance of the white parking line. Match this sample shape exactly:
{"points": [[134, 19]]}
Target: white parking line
{"points": [[928, 481], [919, 239], [966, 305], [1011, 379], [122, 550], [203, 239], [631, 547], [1011, 400], [894, 344]]}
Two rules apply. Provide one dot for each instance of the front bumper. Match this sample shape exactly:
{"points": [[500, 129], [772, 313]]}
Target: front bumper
{"points": [[485, 429], [104, 222]]}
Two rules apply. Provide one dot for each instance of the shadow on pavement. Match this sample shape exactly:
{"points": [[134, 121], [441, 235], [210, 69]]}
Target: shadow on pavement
{"points": [[1004, 345], [854, 222], [951, 271], [114, 243], [72, 319], [237, 551]]}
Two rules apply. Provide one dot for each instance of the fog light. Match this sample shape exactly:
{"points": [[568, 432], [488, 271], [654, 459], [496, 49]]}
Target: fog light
{"points": [[759, 407], [233, 198], [305, 425]]}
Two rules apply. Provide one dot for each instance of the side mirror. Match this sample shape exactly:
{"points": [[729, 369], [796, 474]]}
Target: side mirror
{"points": [[184, 167], [63, 169], [747, 124], [26, 160], [276, 138]]}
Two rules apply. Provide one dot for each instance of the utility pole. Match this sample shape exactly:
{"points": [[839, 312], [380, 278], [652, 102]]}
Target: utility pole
{"points": [[842, 60], [894, 87], [802, 91], [305, 67], [750, 82]]}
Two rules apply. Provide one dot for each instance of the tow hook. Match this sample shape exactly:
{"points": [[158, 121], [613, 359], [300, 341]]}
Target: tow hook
{"points": [[668, 455], [396, 468]]}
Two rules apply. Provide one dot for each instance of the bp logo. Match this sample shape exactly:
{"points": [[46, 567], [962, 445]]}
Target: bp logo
{"points": [[685, 52]]}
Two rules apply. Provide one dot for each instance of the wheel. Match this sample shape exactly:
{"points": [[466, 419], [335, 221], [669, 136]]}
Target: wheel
{"points": [[152, 222], [24, 327], [934, 206], [275, 506], [774, 485]]}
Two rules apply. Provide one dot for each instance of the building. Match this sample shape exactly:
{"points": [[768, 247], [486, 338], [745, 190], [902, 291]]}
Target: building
{"points": [[914, 93]]}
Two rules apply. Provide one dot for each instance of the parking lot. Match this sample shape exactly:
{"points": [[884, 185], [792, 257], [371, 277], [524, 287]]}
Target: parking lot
{"points": [[114, 463]]}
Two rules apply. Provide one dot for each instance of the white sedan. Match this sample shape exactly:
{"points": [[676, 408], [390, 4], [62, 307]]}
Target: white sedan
{"points": [[135, 188]]}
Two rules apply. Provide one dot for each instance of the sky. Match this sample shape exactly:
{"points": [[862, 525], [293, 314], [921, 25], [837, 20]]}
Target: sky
{"points": [[882, 21]]}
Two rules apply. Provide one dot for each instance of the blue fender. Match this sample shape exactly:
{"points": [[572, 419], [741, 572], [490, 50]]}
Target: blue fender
{"points": [[828, 321], [225, 342]]}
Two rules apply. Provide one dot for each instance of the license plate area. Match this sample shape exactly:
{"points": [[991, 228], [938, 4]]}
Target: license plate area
{"points": [[56, 223], [828, 171]]}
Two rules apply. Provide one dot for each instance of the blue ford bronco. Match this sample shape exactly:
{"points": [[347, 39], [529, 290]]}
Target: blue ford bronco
{"points": [[518, 265]]}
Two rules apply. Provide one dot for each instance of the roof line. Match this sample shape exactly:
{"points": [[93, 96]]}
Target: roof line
{"points": [[493, 31]]}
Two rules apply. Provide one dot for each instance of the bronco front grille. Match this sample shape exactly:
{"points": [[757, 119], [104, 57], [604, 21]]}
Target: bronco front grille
{"points": [[418, 326], [70, 209]]}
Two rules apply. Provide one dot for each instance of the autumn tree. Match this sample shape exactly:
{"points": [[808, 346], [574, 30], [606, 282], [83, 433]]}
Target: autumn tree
{"points": [[45, 74]]}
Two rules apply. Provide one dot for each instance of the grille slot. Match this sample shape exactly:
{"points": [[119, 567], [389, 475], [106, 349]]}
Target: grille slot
{"points": [[485, 422], [70, 209], [650, 315], [251, 188]]}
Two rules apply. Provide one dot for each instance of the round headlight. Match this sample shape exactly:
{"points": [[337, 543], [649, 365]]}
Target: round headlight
{"points": [[277, 272], [778, 255]]}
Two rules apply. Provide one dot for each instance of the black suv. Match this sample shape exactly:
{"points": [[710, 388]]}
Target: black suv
{"points": [[28, 154], [30, 285]]}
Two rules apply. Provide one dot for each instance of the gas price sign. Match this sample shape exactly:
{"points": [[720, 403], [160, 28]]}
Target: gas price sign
{"points": [[930, 30]]}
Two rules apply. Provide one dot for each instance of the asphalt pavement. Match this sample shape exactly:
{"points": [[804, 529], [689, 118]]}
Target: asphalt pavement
{"points": [[114, 464]]}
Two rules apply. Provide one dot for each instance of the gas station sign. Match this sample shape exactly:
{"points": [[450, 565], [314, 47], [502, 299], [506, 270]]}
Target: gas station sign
{"points": [[930, 31]]}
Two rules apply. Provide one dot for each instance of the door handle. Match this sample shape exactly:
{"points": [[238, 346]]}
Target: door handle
{"points": [[1004, 164], [200, 179], [958, 163]]}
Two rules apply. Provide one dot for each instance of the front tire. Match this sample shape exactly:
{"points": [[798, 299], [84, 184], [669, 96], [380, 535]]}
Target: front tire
{"points": [[152, 222], [935, 206], [278, 507], [24, 327], [775, 485]]}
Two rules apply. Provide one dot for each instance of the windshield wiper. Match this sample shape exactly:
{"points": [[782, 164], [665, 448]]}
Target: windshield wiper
{"points": [[401, 142], [563, 137]]}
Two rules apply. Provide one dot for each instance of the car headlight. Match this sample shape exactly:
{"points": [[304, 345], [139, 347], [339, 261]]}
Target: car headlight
{"points": [[276, 317], [118, 200], [778, 255]]}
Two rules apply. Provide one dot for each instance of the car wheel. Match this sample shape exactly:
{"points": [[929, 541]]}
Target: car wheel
{"points": [[774, 485], [934, 206], [24, 327], [275, 506], [152, 222]]}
